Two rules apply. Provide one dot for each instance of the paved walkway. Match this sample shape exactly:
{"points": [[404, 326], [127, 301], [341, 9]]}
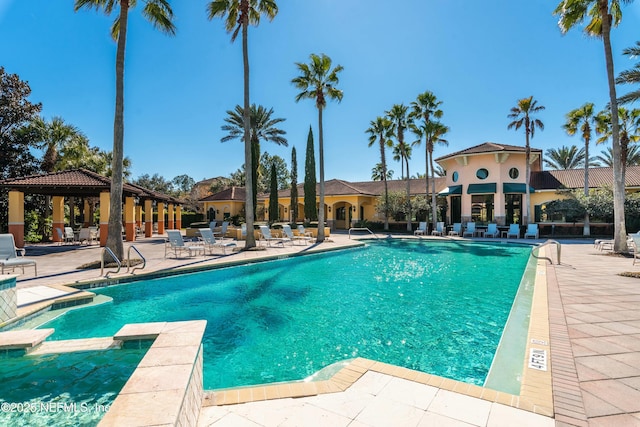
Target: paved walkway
{"points": [[595, 350]]}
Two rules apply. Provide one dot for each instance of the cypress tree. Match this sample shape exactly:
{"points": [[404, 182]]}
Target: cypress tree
{"points": [[273, 196], [294, 186], [310, 210]]}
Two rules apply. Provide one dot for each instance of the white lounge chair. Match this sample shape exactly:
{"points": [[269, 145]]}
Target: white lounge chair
{"points": [[286, 228], [470, 230], [212, 225], [532, 231], [176, 244], [9, 255], [439, 231], [210, 242], [303, 232], [265, 234], [421, 230], [223, 230], [514, 230], [492, 230], [457, 228]]}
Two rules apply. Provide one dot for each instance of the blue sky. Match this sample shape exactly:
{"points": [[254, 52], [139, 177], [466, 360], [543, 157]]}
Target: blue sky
{"points": [[478, 58]]}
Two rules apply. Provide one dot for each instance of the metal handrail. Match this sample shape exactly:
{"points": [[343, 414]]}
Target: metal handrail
{"points": [[362, 229], [144, 260], [115, 258], [548, 242]]}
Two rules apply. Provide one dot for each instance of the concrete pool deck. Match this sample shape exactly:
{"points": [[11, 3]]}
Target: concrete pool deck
{"points": [[594, 327]]}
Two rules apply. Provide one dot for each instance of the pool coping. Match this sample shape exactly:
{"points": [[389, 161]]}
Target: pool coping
{"points": [[535, 391]]}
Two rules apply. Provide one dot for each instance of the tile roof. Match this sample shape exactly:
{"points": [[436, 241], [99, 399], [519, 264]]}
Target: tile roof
{"points": [[233, 193], [574, 178], [487, 147]]}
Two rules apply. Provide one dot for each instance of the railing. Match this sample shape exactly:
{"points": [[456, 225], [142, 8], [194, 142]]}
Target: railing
{"points": [[115, 258], [548, 242], [144, 260], [361, 229]]}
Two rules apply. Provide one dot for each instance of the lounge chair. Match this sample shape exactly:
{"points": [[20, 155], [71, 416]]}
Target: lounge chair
{"points": [[243, 230], [286, 228], [514, 230], [303, 232], [532, 231], [176, 244], [457, 228], [9, 255], [439, 231], [470, 230], [85, 236], [635, 246], [223, 230], [492, 230], [421, 230], [265, 234], [210, 242]]}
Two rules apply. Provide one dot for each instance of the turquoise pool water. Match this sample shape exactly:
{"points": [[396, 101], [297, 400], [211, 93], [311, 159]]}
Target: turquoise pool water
{"points": [[68, 389], [438, 307]]}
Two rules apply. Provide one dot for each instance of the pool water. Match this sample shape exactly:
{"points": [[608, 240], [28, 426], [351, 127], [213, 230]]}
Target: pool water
{"points": [[438, 307], [67, 389]]}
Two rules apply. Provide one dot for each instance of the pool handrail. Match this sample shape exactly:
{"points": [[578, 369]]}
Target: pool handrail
{"points": [[115, 258], [548, 242], [362, 229], [144, 260]]}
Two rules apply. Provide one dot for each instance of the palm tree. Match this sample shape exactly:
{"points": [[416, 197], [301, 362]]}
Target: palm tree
{"points": [[629, 130], [425, 107], [434, 131], [564, 158], [521, 115], [160, 14], [54, 136], [381, 130], [601, 15], [398, 115], [630, 76], [581, 119], [239, 15], [318, 81], [263, 127], [380, 173], [633, 156]]}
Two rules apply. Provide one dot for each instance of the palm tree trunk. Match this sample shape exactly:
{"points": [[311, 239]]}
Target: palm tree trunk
{"points": [[620, 229], [527, 173], [114, 234], [434, 207], [409, 225], [426, 177], [320, 238], [248, 169], [586, 231], [386, 189]]}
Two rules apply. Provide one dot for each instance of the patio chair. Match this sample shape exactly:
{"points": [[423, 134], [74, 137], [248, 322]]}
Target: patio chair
{"points": [[635, 246], [532, 231], [492, 230], [439, 231], [514, 230], [223, 230], [457, 228], [421, 230], [85, 236], [286, 228], [265, 234], [9, 255], [212, 225], [470, 229], [303, 232], [176, 244], [210, 242], [69, 235]]}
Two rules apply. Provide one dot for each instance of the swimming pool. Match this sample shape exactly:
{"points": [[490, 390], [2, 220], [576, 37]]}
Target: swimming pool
{"points": [[438, 307]]}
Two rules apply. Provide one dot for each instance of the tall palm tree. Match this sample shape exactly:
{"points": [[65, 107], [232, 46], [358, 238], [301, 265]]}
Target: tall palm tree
{"points": [[521, 116], [633, 156], [399, 117], [601, 15], [239, 15], [425, 108], [54, 136], [317, 81], [263, 127], [381, 130], [564, 158], [160, 14], [630, 76], [434, 131], [629, 130], [580, 120]]}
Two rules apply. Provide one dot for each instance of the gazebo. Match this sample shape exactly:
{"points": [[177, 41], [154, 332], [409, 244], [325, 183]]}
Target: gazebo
{"points": [[86, 184]]}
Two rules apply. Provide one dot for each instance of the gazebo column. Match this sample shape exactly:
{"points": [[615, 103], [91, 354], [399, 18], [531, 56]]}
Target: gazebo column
{"points": [[160, 217], [57, 203], [148, 218], [129, 219], [171, 224], [138, 216], [105, 208], [178, 217], [16, 216], [86, 213]]}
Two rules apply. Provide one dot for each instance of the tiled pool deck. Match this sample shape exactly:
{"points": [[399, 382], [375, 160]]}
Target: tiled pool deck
{"points": [[591, 322]]}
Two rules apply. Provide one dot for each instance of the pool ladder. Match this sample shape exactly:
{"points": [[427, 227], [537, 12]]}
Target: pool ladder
{"points": [[361, 229], [548, 242], [115, 258]]}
